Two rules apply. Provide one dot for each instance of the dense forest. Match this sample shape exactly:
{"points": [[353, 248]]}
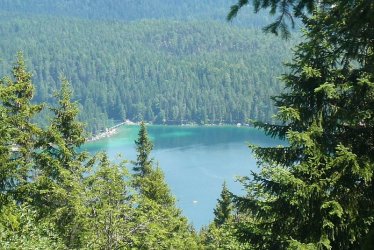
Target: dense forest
{"points": [[161, 71], [315, 192], [131, 10]]}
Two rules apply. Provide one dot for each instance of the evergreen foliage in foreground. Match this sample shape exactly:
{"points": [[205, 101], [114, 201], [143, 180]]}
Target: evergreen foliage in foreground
{"points": [[222, 233], [54, 197], [223, 209], [317, 192]]}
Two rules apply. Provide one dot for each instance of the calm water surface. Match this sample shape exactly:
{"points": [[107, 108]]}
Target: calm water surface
{"points": [[195, 160]]}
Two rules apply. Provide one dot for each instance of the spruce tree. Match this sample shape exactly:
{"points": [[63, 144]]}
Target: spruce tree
{"points": [[317, 192], [112, 219], [144, 146], [222, 232], [65, 119], [223, 208], [20, 145], [164, 226], [150, 180], [59, 186], [7, 174], [20, 133]]}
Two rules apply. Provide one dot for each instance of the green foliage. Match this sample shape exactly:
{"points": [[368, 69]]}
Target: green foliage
{"points": [[222, 233], [222, 237], [143, 164], [148, 180], [111, 218], [130, 10], [317, 192], [160, 71], [65, 118], [223, 208], [20, 229], [58, 188], [288, 10], [163, 225], [19, 137], [69, 200], [20, 134], [154, 187]]}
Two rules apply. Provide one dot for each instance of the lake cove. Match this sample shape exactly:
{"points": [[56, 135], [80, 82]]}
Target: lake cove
{"points": [[195, 160]]}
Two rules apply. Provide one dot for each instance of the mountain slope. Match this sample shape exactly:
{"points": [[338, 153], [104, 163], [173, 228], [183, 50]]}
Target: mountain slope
{"points": [[164, 71], [130, 10]]}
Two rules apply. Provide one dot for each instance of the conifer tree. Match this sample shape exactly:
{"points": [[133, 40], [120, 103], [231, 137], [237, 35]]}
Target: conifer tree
{"points": [[20, 133], [165, 227], [223, 208], [64, 135], [65, 119], [150, 181], [21, 228], [317, 192], [144, 146], [61, 168], [7, 174], [154, 187], [111, 221], [222, 232], [19, 149]]}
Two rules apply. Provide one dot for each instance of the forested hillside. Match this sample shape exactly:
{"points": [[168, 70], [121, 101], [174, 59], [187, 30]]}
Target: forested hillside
{"points": [[162, 71], [130, 10]]}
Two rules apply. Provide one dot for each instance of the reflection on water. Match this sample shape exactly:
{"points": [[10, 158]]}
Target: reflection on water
{"points": [[196, 161]]}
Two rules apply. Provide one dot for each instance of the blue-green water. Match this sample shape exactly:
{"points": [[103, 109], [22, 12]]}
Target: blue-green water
{"points": [[195, 160]]}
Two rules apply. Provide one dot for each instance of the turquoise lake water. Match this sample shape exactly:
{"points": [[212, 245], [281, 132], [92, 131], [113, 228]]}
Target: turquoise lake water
{"points": [[196, 161]]}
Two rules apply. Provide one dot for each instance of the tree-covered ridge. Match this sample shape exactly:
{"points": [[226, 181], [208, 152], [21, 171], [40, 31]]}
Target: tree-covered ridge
{"points": [[131, 10], [159, 71]]}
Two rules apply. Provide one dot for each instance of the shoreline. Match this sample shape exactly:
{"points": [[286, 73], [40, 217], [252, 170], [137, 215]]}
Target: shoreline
{"points": [[109, 132]]}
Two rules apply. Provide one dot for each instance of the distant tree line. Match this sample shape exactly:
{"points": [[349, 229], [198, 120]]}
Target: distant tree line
{"points": [[131, 10]]}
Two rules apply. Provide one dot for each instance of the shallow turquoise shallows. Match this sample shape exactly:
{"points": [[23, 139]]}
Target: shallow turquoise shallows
{"points": [[195, 160]]}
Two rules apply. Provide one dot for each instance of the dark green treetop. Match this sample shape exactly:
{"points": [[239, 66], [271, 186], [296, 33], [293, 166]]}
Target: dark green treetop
{"points": [[144, 147], [150, 180], [20, 133], [223, 208], [65, 117], [157, 80], [112, 219], [61, 168], [154, 187], [165, 227]]}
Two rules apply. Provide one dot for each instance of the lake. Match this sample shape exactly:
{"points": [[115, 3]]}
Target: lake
{"points": [[196, 161]]}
